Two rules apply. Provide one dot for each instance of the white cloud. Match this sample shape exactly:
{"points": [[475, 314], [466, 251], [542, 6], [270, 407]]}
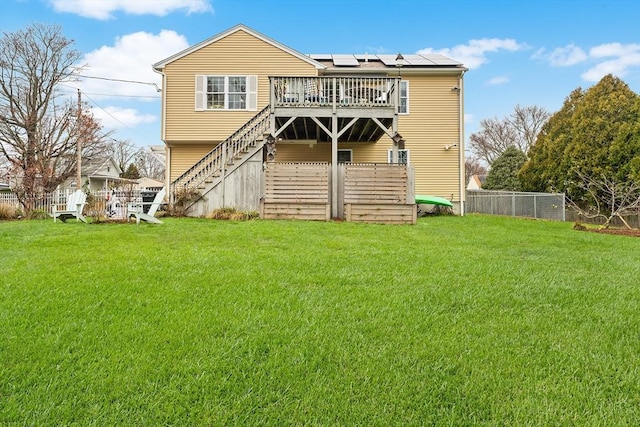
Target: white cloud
{"points": [[624, 59], [609, 58], [563, 56], [469, 118], [498, 80], [104, 9], [123, 104], [130, 58], [474, 54], [117, 117]]}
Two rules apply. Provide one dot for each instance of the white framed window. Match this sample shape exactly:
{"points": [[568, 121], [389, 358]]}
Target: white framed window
{"points": [[403, 156], [226, 93], [345, 156], [403, 108]]}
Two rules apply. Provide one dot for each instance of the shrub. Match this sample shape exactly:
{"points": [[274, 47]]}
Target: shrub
{"points": [[38, 214], [7, 212], [232, 214], [183, 199]]}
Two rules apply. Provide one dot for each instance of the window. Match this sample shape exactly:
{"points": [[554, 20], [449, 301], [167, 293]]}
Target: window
{"points": [[344, 156], [403, 108], [403, 156], [226, 93]]}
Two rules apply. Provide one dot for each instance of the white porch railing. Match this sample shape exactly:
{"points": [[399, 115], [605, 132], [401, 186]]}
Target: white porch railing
{"points": [[339, 92]]}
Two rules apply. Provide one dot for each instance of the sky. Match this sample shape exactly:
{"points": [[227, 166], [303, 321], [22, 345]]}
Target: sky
{"points": [[531, 52]]}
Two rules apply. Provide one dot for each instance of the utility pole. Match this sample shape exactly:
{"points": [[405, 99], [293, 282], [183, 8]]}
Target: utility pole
{"points": [[79, 142]]}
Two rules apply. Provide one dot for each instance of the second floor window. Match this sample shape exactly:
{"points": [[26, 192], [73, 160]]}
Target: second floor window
{"points": [[225, 93], [403, 108]]}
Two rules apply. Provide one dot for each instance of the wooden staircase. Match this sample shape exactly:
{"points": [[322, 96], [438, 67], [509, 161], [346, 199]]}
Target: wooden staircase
{"points": [[222, 158]]}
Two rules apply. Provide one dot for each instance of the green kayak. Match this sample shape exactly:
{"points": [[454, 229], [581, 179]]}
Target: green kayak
{"points": [[433, 200]]}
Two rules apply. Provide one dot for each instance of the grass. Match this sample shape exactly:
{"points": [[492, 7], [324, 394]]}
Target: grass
{"points": [[456, 321]]}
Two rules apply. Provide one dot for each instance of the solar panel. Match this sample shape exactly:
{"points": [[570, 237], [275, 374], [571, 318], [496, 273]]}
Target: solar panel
{"points": [[345, 61], [440, 59], [321, 56], [417, 60], [388, 60]]}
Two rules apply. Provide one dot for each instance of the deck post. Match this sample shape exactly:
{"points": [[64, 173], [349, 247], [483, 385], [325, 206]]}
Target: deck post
{"points": [[334, 166]]}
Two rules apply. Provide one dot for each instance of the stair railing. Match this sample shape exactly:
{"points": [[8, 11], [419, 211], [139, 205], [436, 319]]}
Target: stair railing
{"points": [[224, 153]]}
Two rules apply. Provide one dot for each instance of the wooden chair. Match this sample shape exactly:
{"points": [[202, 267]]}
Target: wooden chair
{"points": [[137, 209], [74, 207]]}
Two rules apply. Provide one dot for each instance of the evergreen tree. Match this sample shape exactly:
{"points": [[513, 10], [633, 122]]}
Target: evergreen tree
{"points": [[595, 133], [503, 174], [131, 172]]}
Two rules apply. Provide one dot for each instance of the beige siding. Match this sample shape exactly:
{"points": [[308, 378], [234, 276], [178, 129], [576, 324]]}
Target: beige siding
{"points": [[186, 155], [433, 122], [237, 54]]}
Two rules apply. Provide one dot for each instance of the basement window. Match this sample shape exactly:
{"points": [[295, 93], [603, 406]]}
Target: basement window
{"points": [[345, 156], [403, 156]]}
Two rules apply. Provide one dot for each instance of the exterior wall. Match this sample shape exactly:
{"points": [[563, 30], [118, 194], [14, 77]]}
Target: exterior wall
{"points": [[237, 54], [183, 156], [433, 122]]}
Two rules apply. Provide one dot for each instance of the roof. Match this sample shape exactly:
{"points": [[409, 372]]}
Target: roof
{"points": [[93, 166], [158, 66], [365, 62], [387, 60]]}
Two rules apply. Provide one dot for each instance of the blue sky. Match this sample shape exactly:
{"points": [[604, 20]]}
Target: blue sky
{"points": [[517, 52]]}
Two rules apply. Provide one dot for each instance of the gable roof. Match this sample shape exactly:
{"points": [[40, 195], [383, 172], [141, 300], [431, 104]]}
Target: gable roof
{"points": [[96, 166], [159, 66]]}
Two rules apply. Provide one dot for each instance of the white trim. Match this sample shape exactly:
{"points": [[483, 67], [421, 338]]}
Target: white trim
{"points": [[406, 83], [158, 66]]}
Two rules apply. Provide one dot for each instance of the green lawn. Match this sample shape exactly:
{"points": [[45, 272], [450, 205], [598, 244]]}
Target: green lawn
{"points": [[454, 321]]}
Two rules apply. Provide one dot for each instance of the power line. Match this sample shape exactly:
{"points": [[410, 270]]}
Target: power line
{"points": [[113, 117], [113, 95], [122, 80]]}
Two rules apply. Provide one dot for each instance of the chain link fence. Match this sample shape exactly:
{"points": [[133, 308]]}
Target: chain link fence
{"points": [[512, 203]]}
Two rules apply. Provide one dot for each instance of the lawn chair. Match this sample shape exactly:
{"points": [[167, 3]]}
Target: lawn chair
{"points": [[136, 209], [75, 205]]}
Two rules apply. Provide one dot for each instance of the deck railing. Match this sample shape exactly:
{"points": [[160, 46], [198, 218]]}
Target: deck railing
{"points": [[337, 92]]}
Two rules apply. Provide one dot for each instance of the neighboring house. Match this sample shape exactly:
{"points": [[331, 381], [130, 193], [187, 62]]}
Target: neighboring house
{"points": [[475, 182], [97, 174], [239, 98], [149, 184]]}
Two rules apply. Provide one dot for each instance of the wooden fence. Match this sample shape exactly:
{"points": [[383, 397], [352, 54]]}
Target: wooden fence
{"points": [[381, 193], [296, 191]]}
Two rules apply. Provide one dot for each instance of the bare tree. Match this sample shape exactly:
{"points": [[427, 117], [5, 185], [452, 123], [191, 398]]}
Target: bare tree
{"points": [[39, 131], [124, 153], [519, 129], [150, 165], [607, 198], [472, 166]]}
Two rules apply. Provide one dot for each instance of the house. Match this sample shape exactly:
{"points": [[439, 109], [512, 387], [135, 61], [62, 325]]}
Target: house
{"points": [[475, 182], [240, 98], [96, 174]]}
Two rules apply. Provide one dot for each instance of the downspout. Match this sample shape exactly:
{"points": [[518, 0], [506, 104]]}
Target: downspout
{"points": [[461, 163], [163, 111]]}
